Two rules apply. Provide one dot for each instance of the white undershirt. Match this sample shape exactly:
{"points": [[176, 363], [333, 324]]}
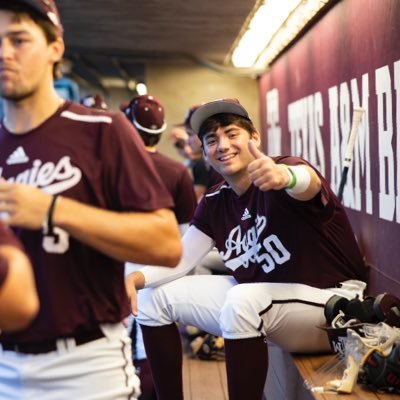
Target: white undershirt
{"points": [[196, 245]]}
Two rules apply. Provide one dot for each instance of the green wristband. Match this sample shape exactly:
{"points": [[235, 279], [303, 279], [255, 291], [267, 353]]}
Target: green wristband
{"points": [[293, 180]]}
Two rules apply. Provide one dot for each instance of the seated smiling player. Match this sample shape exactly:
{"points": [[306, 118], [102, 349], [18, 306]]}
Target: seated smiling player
{"points": [[286, 243]]}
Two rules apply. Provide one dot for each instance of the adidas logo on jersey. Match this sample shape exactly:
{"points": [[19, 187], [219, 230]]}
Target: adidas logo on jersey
{"points": [[246, 214], [18, 156]]}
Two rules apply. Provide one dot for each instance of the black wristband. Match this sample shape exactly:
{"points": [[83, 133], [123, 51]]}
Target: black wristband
{"points": [[50, 215]]}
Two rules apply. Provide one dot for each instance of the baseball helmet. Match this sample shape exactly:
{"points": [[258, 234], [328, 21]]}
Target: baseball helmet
{"points": [[146, 113]]}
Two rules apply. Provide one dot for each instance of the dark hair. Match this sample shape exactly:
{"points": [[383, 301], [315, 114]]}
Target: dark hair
{"points": [[211, 124], [148, 138], [50, 31]]}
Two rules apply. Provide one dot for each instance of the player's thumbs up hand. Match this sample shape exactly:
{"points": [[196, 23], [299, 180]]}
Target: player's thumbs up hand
{"points": [[264, 172], [254, 150]]}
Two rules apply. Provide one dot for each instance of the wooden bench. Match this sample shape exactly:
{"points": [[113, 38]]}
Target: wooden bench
{"points": [[287, 374]]}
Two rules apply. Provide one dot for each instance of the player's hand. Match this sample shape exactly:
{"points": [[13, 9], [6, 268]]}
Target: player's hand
{"points": [[134, 305], [23, 205], [178, 134], [265, 173], [134, 282]]}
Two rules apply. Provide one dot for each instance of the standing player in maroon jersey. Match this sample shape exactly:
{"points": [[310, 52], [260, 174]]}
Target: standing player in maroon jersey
{"points": [[286, 242], [84, 197], [19, 301], [146, 113]]}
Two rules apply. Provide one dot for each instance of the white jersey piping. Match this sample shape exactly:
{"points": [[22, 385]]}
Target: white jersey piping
{"points": [[86, 118], [218, 191]]}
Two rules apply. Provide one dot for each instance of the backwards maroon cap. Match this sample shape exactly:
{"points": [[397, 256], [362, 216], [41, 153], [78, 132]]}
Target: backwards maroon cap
{"points": [[147, 114], [47, 9]]}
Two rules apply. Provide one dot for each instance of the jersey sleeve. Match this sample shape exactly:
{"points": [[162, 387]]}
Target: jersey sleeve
{"points": [[185, 199], [322, 206], [200, 173], [3, 270], [201, 218], [131, 179], [6, 238]]}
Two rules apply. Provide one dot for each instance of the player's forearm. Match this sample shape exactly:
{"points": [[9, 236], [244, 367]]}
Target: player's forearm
{"points": [[140, 237], [19, 302]]}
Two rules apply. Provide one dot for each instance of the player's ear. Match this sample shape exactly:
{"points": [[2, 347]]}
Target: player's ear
{"points": [[57, 49], [256, 138]]}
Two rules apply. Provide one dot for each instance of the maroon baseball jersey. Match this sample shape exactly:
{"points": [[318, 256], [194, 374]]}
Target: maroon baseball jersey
{"points": [[6, 237], [204, 175], [97, 158], [178, 182], [271, 237]]}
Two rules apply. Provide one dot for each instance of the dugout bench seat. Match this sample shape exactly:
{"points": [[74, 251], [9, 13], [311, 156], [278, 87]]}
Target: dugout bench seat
{"points": [[287, 373]]}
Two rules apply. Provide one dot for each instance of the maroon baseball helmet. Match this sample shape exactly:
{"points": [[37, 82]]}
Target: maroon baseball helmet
{"points": [[47, 9], [147, 114]]}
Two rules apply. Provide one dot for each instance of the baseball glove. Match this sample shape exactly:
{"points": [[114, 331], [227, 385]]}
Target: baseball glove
{"points": [[381, 372]]}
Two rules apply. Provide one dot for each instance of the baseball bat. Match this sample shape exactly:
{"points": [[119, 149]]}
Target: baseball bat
{"points": [[348, 157]]}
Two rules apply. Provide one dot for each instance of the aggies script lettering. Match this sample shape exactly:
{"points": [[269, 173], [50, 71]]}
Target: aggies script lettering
{"points": [[51, 178], [241, 249]]}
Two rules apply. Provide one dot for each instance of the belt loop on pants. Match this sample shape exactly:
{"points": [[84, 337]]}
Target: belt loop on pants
{"points": [[51, 345]]}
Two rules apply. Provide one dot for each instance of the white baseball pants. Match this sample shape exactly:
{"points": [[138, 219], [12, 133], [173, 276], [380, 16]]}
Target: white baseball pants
{"points": [[98, 370], [286, 314]]}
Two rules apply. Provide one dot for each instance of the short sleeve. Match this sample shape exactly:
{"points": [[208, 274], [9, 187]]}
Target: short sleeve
{"points": [[200, 219], [185, 199], [131, 178], [6, 238]]}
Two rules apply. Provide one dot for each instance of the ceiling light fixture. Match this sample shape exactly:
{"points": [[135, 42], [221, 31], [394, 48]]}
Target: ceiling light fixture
{"points": [[141, 88], [274, 25]]}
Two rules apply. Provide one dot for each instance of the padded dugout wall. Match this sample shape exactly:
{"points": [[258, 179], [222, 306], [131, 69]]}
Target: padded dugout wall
{"points": [[349, 58]]}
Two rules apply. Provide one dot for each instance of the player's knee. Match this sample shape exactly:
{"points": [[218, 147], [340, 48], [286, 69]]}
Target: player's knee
{"points": [[239, 315], [152, 307]]}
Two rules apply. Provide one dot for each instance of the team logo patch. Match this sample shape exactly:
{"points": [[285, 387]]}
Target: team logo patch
{"points": [[18, 156], [246, 214]]}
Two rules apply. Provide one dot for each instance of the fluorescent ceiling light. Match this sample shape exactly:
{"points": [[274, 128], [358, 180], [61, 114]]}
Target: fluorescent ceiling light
{"points": [[110, 82], [275, 24]]}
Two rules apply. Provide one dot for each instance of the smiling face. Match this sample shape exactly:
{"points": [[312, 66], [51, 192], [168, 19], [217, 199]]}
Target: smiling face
{"points": [[226, 149], [26, 58]]}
